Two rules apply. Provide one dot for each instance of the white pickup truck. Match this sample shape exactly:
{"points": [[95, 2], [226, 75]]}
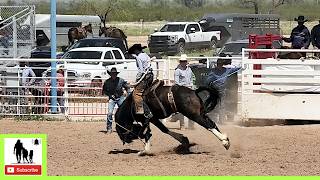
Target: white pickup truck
{"points": [[85, 65], [176, 37]]}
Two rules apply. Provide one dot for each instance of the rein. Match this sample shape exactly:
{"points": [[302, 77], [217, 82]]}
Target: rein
{"points": [[129, 131]]}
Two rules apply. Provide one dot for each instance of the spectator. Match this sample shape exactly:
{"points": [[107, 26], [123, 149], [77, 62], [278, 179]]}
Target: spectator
{"points": [[300, 35], [217, 78], [28, 77], [60, 92], [183, 77], [315, 38], [114, 89]]}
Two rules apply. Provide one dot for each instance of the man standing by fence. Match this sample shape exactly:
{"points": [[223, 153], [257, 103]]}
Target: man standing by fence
{"points": [[183, 77], [114, 89], [300, 35]]}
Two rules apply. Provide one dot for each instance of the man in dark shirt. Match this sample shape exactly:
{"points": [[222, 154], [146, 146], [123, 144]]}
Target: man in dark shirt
{"points": [[315, 37], [114, 89], [300, 35]]}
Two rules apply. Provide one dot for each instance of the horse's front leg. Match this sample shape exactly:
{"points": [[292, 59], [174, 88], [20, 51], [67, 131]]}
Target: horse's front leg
{"points": [[222, 137], [147, 147]]}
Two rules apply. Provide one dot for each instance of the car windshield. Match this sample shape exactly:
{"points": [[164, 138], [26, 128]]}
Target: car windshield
{"points": [[233, 48], [173, 28], [83, 55]]}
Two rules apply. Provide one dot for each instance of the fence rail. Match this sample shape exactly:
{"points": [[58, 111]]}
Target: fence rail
{"points": [[280, 88]]}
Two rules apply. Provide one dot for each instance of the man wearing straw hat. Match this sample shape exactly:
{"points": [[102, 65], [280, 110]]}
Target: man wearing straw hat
{"points": [[300, 35], [183, 77], [114, 88]]}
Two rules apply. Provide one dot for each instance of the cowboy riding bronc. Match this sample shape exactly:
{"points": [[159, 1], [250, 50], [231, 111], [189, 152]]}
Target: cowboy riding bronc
{"points": [[144, 78]]}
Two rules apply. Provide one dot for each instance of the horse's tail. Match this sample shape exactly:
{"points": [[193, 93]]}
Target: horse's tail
{"points": [[211, 101]]}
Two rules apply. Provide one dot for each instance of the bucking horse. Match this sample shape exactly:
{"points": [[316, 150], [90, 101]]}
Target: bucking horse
{"points": [[164, 101]]}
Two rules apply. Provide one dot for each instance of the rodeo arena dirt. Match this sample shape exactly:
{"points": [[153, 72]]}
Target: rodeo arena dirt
{"points": [[271, 116]]}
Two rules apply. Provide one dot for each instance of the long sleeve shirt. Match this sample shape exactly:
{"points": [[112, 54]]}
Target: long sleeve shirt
{"points": [[143, 62], [28, 76], [300, 37], [114, 87], [218, 78], [183, 77]]}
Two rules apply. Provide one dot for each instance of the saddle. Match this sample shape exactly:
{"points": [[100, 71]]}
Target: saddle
{"points": [[152, 91], [155, 84]]}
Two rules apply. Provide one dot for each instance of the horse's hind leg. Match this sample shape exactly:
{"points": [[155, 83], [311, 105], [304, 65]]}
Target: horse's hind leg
{"points": [[210, 125], [179, 137]]}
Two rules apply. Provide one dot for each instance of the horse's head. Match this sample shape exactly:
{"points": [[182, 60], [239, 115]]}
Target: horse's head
{"points": [[88, 28]]}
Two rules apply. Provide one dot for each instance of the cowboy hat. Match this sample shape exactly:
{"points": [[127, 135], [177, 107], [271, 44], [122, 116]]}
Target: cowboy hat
{"points": [[134, 47], [300, 19], [183, 57], [113, 70]]}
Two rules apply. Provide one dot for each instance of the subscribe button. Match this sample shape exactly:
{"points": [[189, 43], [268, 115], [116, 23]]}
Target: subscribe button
{"points": [[23, 170]]}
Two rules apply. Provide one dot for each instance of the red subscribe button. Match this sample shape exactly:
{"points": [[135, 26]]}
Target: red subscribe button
{"points": [[23, 170]]}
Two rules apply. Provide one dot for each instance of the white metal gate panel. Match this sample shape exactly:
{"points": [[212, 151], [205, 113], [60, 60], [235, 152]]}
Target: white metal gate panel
{"points": [[281, 89]]}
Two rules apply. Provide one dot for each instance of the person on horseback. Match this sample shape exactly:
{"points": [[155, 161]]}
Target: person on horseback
{"points": [[300, 35], [144, 78]]}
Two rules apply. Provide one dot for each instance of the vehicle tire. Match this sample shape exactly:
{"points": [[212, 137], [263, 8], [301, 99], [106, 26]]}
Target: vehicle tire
{"points": [[213, 43], [181, 47]]}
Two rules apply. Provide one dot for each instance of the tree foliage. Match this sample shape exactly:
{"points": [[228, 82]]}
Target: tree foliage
{"points": [[177, 10]]}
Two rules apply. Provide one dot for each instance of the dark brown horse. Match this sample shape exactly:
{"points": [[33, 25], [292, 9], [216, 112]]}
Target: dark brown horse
{"points": [[289, 55], [77, 33], [164, 101], [113, 32]]}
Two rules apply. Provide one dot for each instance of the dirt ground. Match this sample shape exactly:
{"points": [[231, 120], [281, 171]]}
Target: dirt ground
{"points": [[78, 148]]}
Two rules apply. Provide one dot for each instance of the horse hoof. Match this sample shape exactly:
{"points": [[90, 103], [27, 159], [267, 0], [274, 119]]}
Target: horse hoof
{"points": [[226, 143], [144, 153]]}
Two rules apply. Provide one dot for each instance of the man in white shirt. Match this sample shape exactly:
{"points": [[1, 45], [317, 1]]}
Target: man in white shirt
{"points": [[143, 64], [183, 77], [28, 77]]}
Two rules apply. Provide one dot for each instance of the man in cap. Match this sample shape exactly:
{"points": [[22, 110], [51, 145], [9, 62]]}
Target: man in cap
{"points": [[183, 77], [143, 62], [114, 88], [300, 35], [315, 37]]}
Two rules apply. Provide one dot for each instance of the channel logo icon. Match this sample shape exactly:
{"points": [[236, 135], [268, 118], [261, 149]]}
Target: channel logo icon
{"points": [[10, 170], [23, 156]]}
